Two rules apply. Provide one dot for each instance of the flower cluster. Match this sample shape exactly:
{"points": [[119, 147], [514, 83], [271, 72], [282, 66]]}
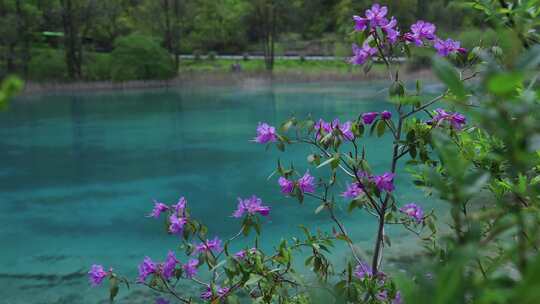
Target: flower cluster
{"points": [[177, 218], [166, 269], [97, 274], [190, 268], [455, 119], [251, 206], [375, 17], [208, 294], [384, 183], [306, 184], [363, 271], [242, 254], [413, 211], [322, 128], [362, 54], [265, 133], [369, 117], [354, 190], [209, 246], [421, 33]]}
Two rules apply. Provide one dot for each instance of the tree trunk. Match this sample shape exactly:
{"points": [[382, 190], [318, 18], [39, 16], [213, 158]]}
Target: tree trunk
{"points": [[72, 42], [176, 34], [22, 28]]}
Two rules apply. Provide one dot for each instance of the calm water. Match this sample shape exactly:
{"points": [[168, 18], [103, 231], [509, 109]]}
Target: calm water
{"points": [[78, 173]]}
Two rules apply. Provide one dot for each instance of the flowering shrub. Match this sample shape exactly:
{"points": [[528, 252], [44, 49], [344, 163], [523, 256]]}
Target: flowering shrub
{"points": [[495, 156]]}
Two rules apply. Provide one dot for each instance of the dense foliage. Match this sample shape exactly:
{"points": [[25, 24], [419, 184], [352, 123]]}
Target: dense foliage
{"points": [[77, 29], [483, 162], [140, 57]]}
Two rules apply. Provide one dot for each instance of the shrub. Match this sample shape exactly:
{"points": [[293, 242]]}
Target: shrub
{"points": [[47, 64], [97, 67], [138, 57]]}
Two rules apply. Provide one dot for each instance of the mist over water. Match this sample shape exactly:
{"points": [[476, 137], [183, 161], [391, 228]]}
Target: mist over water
{"points": [[79, 171]]}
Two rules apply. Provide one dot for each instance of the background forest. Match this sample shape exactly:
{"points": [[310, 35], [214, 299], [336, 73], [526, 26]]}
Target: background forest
{"points": [[59, 40]]}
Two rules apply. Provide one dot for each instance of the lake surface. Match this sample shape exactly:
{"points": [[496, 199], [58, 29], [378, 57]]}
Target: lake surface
{"points": [[79, 171]]}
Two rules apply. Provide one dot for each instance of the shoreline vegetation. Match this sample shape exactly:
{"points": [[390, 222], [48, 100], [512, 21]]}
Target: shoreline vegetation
{"points": [[221, 72]]}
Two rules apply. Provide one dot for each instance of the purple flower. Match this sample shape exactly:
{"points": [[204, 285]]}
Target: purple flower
{"points": [[180, 207], [146, 268], [345, 128], [96, 275], [158, 209], [390, 29], [363, 270], [361, 23], [354, 190], [162, 301], [384, 182], [176, 225], [223, 292], [322, 128], [397, 299], [306, 183], [386, 115], [209, 294], [421, 31], [286, 185], [369, 117], [414, 211], [376, 15], [251, 206], [190, 268], [240, 255], [265, 133], [209, 245], [362, 54], [169, 266], [382, 295], [456, 120], [448, 46]]}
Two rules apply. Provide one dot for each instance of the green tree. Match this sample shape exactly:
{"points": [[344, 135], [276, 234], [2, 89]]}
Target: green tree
{"points": [[17, 26], [218, 25], [268, 18], [138, 57]]}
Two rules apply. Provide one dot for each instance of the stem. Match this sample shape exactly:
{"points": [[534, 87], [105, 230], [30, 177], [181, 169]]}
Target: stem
{"points": [[339, 224], [379, 242]]}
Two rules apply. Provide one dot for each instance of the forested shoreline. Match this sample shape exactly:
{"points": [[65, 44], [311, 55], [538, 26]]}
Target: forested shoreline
{"points": [[124, 40]]}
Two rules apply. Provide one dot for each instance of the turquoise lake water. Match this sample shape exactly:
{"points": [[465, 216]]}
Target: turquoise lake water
{"points": [[79, 171]]}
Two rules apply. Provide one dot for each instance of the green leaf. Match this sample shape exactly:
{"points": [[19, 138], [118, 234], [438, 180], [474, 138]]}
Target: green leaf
{"points": [[505, 84], [326, 162], [449, 76], [113, 288], [320, 208], [381, 126], [418, 87], [253, 279], [396, 89]]}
